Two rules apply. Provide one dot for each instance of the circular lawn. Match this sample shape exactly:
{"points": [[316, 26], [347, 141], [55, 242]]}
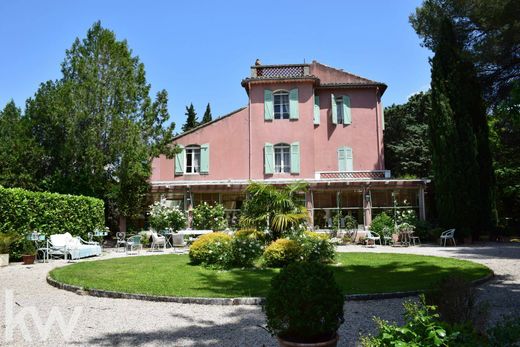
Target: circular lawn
{"points": [[173, 275]]}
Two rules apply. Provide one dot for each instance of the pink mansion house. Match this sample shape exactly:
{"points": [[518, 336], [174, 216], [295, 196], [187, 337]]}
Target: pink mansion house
{"points": [[307, 122]]}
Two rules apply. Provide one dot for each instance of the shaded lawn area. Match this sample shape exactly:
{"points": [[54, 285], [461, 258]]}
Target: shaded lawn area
{"points": [[173, 275]]}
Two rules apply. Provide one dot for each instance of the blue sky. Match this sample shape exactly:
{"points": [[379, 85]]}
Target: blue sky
{"points": [[199, 51]]}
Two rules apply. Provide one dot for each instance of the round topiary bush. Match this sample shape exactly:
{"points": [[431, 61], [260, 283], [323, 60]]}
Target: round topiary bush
{"points": [[213, 248], [304, 304], [282, 252]]}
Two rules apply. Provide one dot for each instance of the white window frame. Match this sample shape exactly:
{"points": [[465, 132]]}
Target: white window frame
{"points": [[339, 110], [282, 150], [191, 151], [277, 101]]}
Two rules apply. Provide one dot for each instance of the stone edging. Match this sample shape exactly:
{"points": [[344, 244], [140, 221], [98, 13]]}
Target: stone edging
{"points": [[226, 301]]}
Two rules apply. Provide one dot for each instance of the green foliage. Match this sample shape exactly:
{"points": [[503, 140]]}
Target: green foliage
{"points": [[208, 217], [20, 155], [259, 235], [317, 247], [164, 217], [282, 252], [279, 209], [22, 211], [422, 329], [407, 150], [211, 249], [191, 119], [244, 251], [27, 247], [351, 223], [97, 127], [464, 181], [506, 333], [304, 304], [383, 224], [6, 240], [489, 32], [207, 115]]}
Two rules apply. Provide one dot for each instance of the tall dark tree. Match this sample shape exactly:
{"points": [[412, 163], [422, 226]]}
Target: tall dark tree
{"points": [[207, 115], [407, 151], [505, 140], [489, 32], [191, 119], [20, 155], [97, 125], [461, 158]]}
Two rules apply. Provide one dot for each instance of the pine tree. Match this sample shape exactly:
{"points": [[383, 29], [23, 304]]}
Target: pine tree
{"points": [[207, 115], [463, 177], [191, 119]]}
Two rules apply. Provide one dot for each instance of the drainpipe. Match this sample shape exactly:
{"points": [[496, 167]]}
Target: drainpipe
{"points": [[379, 154], [249, 124]]}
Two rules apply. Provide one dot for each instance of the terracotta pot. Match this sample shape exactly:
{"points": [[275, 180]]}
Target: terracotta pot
{"points": [[28, 259], [4, 259], [331, 343]]}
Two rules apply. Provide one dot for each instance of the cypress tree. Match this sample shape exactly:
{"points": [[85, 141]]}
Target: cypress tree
{"points": [[191, 119], [207, 115], [463, 176]]}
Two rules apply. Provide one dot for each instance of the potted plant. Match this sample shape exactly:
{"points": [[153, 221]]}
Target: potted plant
{"points": [[6, 240], [304, 307], [28, 252]]}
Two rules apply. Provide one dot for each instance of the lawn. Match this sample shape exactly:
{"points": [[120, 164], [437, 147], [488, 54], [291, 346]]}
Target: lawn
{"points": [[172, 275]]}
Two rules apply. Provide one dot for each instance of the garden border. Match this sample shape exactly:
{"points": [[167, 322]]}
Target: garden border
{"points": [[227, 301]]}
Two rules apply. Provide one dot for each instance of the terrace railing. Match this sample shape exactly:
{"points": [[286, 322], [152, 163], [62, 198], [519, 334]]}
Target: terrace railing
{"points": [[352, 175], [280, 71]]}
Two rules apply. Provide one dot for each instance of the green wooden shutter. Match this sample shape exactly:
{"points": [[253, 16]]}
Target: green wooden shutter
{"points": [[349, 159], [179, 161], [295, 157], [316, 109], [268, 158], [294, 112], [347, 117], [268, 105], [204, 158], [333, 109], [342, 159]]}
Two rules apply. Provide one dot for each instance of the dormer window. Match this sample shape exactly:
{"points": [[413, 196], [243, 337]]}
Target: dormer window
{"points": [[281, 105], [193, 159]]}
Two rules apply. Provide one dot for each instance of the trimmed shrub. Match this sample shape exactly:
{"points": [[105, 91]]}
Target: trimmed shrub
{"points": [[244, 251], [211, 249], [304, 304], [317, 247], [282, 252], [207, 217], [23, 211]]}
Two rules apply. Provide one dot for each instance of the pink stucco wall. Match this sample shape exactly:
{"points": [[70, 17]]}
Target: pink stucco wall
{"points": [[229, 151], [237, 147]]}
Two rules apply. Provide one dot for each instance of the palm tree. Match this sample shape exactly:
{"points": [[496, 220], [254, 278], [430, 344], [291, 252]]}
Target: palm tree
{"points": [[277, 209]]}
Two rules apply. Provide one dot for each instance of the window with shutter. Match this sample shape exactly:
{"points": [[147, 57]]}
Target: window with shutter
{"points": [[179, 161], [268, 158], [294, 112], [204, 158], [295, 157], [268, 105], [316, 109]]}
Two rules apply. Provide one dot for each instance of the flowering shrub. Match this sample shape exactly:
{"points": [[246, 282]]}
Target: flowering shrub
{"points": [[213, 248], [163, 217], [383, 224], [317, 247], [405, 216], [209, 217], [244, 251], [282, 252]]}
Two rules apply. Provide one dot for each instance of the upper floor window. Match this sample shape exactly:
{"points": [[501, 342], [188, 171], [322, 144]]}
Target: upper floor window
{"points": [[192, 159], [282, 158], [340, 108], [281, 105]]}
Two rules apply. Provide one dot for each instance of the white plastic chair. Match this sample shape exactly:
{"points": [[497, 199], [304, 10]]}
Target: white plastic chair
{"points": [[120, 240], [448, 235], [178, 242], [134, 243], [158, 241], [372, 236]]}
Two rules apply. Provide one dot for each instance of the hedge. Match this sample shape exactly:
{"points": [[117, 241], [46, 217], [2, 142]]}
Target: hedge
{"points": [[22, 211]]}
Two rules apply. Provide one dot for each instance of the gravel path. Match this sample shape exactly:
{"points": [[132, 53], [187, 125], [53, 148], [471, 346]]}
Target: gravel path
{"points": [[121, 322]]}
